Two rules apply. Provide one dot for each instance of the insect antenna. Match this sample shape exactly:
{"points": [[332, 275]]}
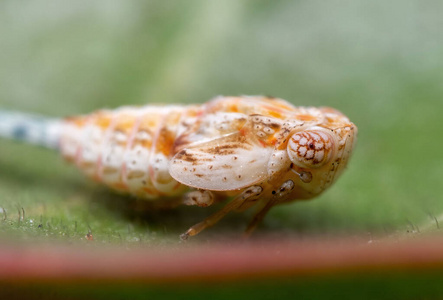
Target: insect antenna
{"points": [[305, 176]]}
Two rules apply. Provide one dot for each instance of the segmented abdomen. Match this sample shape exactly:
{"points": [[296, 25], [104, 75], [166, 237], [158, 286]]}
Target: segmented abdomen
{"points": [[129, 148]]}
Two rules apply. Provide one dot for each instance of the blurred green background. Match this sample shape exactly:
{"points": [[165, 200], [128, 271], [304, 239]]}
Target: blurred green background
{"points": [[379, 62]]}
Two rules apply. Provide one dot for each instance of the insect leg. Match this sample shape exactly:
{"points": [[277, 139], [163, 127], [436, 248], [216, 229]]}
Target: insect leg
{"points": [[258, 217], [200, 198], [247, 194], [284, 190]]}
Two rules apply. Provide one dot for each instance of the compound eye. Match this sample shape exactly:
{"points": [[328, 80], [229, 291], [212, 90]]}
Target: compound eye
{"points": [[310, 148]]}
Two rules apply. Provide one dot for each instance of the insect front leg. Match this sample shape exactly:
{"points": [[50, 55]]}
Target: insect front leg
{"points": [[200, 198], [246, 195], [278, 197]]}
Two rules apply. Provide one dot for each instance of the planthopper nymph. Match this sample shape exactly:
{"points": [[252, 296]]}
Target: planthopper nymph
{"points": [[254, 151]]}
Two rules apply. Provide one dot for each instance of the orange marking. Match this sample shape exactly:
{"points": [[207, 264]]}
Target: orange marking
{"points": [[276, 114], [165, 138], [233, 108], [272, 140], [305, 118], [275, 108], [102, 119], [125, 124], [165, 142], [263, 143]]}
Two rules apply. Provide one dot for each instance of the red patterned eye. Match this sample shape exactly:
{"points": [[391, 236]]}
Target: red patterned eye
{"points": [[310, 148]]}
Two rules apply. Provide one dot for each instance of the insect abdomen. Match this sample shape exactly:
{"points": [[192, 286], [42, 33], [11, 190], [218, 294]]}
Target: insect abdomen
{"points": [[129, 148]]}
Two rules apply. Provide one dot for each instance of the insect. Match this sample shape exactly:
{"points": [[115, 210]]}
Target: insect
{"points": [[256, 151]]}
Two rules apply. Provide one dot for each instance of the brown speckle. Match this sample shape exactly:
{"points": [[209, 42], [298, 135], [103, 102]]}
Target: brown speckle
{"points": [[184, 155], [274, 126], [227, 149]]}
